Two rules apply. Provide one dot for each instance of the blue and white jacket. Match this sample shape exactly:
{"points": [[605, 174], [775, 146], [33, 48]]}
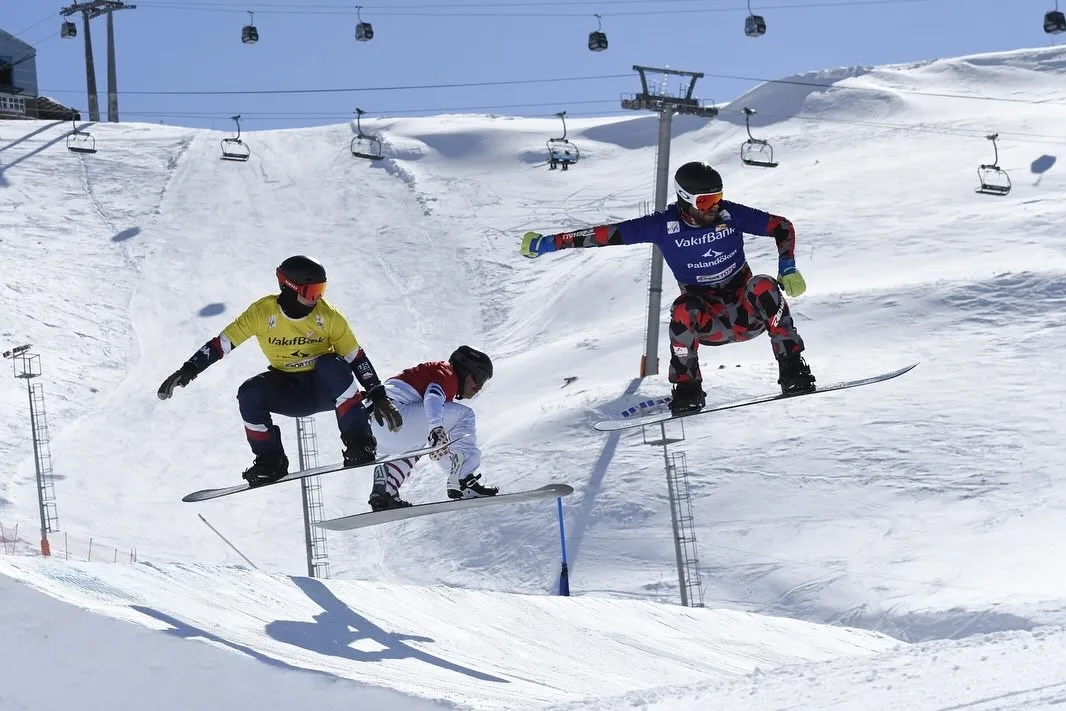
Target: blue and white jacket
{"points": [[698, 256]]}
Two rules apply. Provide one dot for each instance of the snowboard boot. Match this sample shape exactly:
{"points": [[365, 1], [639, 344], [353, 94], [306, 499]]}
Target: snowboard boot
{"points": [[470, 487], [268, 467], [795, 375], [687, 398], [360, 447], [381, 500]]}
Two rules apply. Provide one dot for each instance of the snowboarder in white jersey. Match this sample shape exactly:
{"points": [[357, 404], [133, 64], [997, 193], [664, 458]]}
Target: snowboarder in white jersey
{"points": [[426, 396]]}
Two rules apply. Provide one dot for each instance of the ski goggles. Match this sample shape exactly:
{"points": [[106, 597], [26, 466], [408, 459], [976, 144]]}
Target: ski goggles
{"points": [[704, 202], [307, 292], [478, 386]]}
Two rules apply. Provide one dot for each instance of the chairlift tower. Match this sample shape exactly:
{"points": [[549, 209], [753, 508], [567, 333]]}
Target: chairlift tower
{"points": [[666, 105], [27, 366], [90, 10], [689, 581], [311, 495], [90, 66]]}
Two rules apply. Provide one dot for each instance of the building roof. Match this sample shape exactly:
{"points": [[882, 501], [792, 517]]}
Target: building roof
{"points": [[8, 37], [50, 109]]}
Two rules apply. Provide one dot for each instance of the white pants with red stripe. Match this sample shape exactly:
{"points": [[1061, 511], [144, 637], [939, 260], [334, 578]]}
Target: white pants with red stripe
{"points": [[459, 420]]}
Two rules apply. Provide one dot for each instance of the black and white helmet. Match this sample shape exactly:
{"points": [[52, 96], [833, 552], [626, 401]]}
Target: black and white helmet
{"points": [[699, 192], [696, 178], [303, 275], [468, 361]]}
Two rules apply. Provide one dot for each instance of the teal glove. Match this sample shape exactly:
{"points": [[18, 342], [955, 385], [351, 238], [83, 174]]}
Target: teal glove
{"points": [[535, 244], [791, 280]]}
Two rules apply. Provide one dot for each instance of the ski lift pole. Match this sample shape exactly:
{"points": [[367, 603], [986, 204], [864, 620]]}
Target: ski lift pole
{"points": [[666, 106], [27, 366], [564, 573]]}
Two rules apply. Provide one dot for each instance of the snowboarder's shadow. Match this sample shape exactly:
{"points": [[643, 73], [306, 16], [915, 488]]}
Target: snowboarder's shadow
{"points": [[186, 631], [335, 630]]}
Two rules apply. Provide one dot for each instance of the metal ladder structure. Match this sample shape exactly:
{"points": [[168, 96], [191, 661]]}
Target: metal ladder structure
{"points": [[27, 366], [690, 584], [311, 494], [43, 453]]}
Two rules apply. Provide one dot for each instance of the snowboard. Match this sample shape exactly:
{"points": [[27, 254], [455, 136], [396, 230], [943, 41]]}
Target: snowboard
{"points": [[373, 518], [206, 494], [655, 418]]}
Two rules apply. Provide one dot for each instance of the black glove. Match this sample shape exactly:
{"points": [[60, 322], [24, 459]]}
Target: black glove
{"points": [[179, 378], [437, 436], [384, 411]]}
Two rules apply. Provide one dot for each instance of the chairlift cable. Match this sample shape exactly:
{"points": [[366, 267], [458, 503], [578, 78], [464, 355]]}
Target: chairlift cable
{"points": [[337, 90], [41, 22], [1018, 137], [37, 43], [415, 12], [513, 82], [436, 110], [206, 4]]}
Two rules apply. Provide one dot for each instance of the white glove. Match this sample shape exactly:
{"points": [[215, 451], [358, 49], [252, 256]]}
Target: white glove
{"points": [[438, 436]]}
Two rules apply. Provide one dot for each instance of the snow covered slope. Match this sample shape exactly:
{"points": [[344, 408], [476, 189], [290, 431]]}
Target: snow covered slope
{"points": [[926, 508]]}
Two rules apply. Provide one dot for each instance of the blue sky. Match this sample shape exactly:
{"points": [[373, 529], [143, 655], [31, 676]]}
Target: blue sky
{"points": [[194, 46]]}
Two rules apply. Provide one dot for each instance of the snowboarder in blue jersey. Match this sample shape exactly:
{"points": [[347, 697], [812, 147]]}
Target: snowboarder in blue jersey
{"points": [[702, 240], [316, 365]]}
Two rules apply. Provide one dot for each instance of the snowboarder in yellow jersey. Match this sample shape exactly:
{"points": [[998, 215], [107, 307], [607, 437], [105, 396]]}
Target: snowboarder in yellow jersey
{"points": [[316, 365]]}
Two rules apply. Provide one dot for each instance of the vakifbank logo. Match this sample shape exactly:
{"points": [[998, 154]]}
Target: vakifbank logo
{"points": [[705, 238]]}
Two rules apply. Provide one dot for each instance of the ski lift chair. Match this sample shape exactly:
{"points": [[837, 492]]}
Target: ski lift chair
{"points": [[1055, 21], [79, 141], [994, 180], [755, 151], [363, 145], [364, 31], [234, 148], [598, 38], [754, 25], [68, 30], [249, 34], [561, 152]]}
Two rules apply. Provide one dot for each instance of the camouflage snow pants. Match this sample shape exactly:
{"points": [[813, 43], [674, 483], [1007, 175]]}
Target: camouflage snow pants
{"points": [[737, 311]]}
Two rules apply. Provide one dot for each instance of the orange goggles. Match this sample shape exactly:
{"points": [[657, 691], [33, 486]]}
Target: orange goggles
{"points": [[703, 202], [308, 292]]}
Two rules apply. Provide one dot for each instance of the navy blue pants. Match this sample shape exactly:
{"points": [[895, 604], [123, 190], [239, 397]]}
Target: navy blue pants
{"points": [[331, 385]]}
